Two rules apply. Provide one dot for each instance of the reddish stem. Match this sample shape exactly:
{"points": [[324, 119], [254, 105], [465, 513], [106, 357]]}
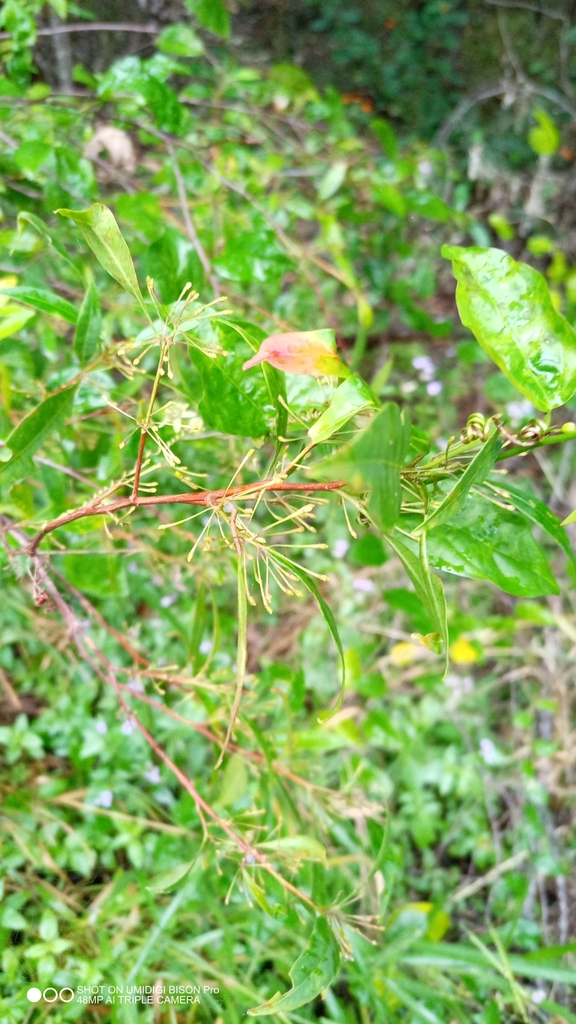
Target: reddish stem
{"points": [[203, 498], [139, 460]]}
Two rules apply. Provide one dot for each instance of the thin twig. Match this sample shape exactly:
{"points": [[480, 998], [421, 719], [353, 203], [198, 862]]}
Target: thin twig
{"points": [[94, 26], [203, 498], [191, 230]]}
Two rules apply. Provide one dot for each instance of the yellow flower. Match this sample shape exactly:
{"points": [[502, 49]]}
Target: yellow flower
{"points": [[462, 652], [403, 654]]}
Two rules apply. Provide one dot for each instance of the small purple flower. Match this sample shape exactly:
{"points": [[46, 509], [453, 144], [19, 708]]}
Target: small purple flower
{"points": [[205, 647], [133, 568], [364, 585], [152, 774], [340, 548], [422, 363], [434, 387], [136, 684], [127, 728], [101, 728], [167, 600], [104, 799]]}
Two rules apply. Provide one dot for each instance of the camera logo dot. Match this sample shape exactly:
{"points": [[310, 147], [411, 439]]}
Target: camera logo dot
{"points": [[50, 995]]}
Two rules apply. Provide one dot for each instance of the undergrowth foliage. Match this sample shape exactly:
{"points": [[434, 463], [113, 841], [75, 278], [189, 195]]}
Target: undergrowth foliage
{"points": [[155, 433]]}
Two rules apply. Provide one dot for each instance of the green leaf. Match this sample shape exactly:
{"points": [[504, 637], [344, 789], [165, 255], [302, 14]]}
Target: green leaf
{"points": [[347, 401], [313, 971], [427, 585], [233, 401], [475, 473], [93, 573], [544, 139], [30, 219], [332, 180], [373, 462], [170, 879], [508, 308], [484, 542], [391, 199], [275, 379], [103, 235], [88, 327], [329, 619], [296, 848], [30, 156], [212, 14], [234, 781], [458, 956], [13, 323], [559, 1011], [181, 40], [44, 300], [27, 437], [387, 136], [531, 507]]}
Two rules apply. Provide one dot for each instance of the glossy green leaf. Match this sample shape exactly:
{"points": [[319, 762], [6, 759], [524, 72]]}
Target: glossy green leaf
{"points": [[328, 616], [545, 138], [181, 40], [508, 308], [44, 300], [27, 437], [428, 586], [99, 228], [352, 397], [372, 462], [233, 401], [88, 327], [475, 473], [313, 971], [14, 322], [531, 507], [484, 542], [251, 256]]}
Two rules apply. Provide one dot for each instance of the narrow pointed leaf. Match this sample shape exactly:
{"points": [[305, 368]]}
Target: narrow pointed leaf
{"points": [[508, 308], [427, 585], [475, 473], [27, 437], [373, 463], [13, 323], [99, 227], [88, 327], [44, 300], [313, 971], [329, 619], [351, 398]]}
